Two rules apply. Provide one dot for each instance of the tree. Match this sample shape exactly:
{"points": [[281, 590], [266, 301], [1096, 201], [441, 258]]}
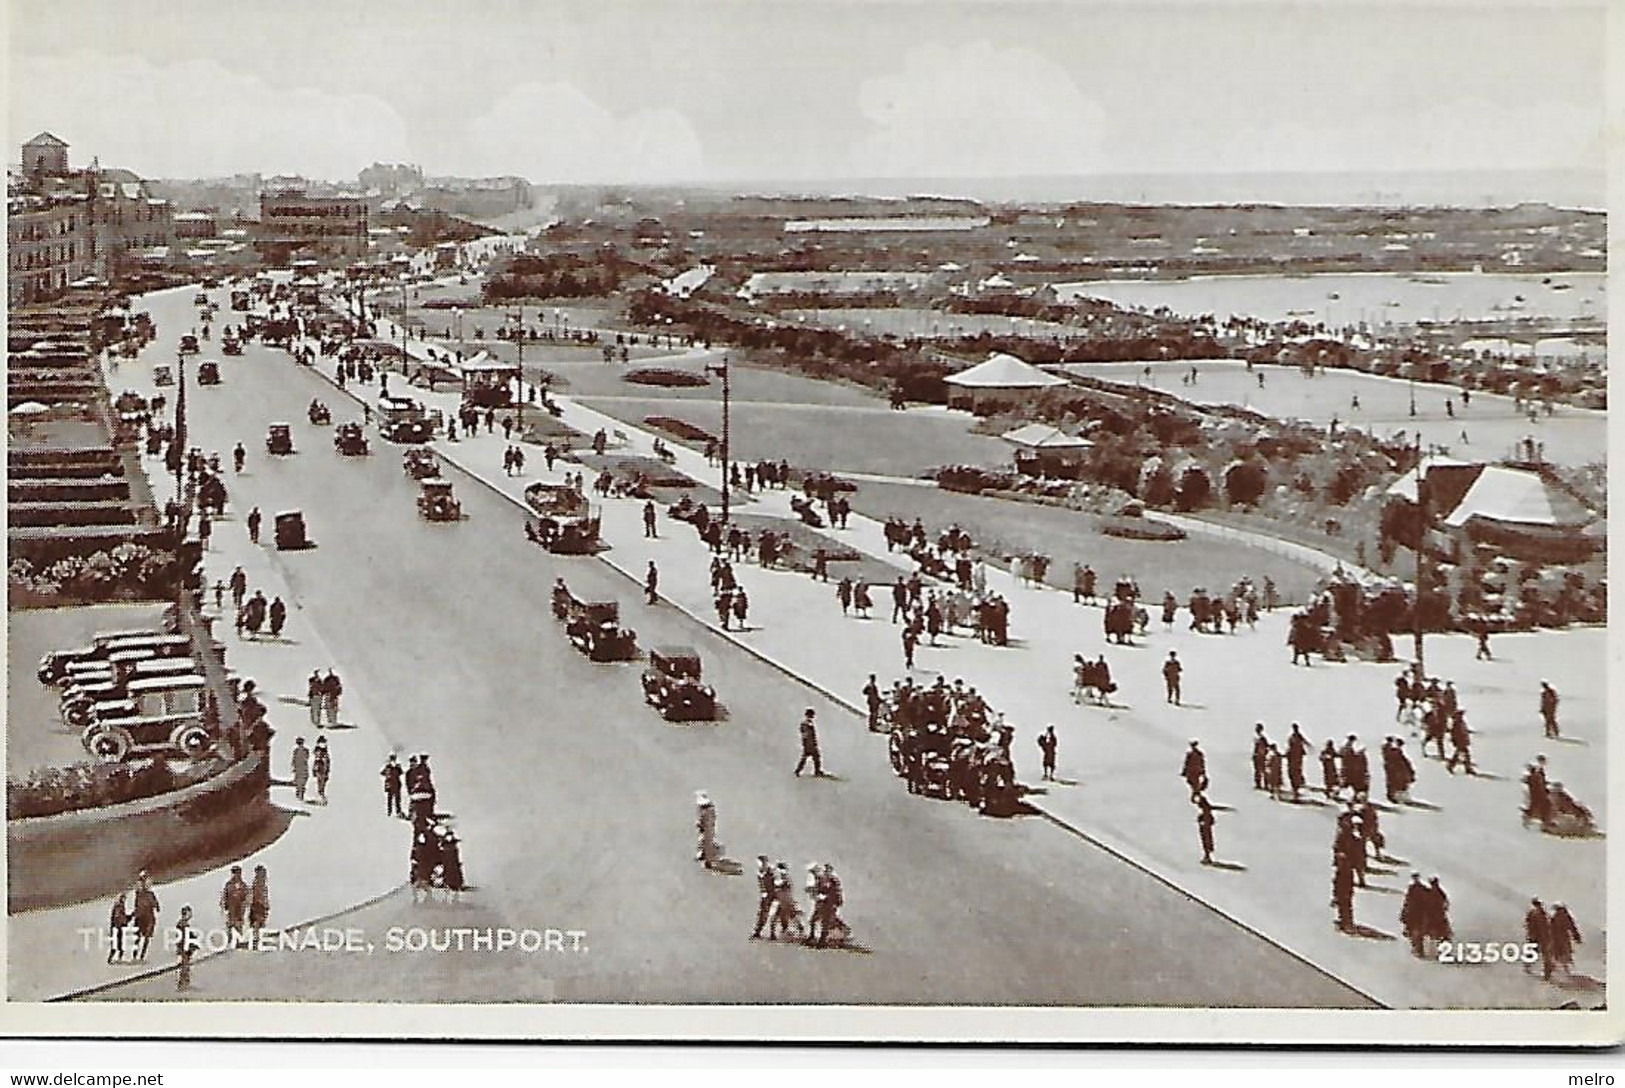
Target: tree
{"points": [[1194, 488], [1244, 483]]}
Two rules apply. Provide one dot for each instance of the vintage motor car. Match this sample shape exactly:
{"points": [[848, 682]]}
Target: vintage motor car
{"points": [[672, 685], [189, 345], [163, 374], [420, 463], [231, 345], [279, 438], [159, 716], [561, 519], [593, 627], [59, 665], [200, 299], [437, 502], [79, 698], [318, 414], [350, 440], [239, 300], [290, 531], [401, 419], [208, 372]]}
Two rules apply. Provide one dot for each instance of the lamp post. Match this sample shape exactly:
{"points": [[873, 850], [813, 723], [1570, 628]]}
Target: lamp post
{"points": [[519, 389], [1421, 545], [727, 463]]}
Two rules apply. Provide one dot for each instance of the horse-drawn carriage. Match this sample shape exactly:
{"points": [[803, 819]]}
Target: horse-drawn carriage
{"points": [[593, 627], [561, 519]]}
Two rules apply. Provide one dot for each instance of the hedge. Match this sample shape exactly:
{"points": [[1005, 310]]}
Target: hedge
{"points": [[52, 790]]}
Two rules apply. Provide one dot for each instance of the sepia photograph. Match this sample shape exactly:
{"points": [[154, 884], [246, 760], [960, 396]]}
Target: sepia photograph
{"points": [[841, 520]]}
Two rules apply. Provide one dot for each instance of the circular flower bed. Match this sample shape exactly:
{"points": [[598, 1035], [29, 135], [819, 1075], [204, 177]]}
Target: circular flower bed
{"points": [[666, 377]]}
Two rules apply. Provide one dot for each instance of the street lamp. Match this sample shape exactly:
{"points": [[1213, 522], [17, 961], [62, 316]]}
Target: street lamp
{"points": [[1421, 545], [727, 463], [519, 391]]}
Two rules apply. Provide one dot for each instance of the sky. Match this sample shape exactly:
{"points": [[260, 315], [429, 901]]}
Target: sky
{"points": [[728, 92]]}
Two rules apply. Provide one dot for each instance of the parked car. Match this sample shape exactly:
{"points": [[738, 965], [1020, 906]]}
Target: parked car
{"points": [[189, 345], [79, 699], [290, 531], [231, 345], [57, 665], [157, 716], [208, 372], [163, 374], [672, 685]]}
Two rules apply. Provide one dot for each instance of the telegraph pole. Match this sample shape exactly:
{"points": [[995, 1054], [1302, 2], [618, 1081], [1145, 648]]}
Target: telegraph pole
{"points": [[1421, 545]]}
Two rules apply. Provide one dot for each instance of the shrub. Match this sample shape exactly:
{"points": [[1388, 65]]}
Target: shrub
{"points": [[1244, 483], [1194, 488], [1139, 528]]}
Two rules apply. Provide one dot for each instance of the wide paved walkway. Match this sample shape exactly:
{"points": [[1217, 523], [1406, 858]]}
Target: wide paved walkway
{"points": [[1118, 783]]}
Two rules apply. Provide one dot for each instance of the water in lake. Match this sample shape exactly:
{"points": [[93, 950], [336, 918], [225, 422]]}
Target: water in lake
{"points": [[1372, 298]]}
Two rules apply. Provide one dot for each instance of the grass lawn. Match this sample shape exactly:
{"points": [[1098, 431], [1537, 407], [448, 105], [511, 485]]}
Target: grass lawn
{"points": [[35, 734], [822, 436], [594, 378], [929, 324], [1002, 527]]}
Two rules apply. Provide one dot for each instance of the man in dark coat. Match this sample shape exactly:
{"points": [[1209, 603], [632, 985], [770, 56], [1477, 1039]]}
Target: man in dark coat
{"points": [[234, 902], [392, 775], [1539, 805], [145, 915], [1297, 747], [651, 583], [239, 587], [809, 746], [1460, 743], [1343, 897], [1329, 778], [1562, 936], [1194, 770], [1414, 917], [1204, 827], [1171, 672], [871, 698], [1047, 744], [278, 613], [1548, 708], [649, 520], [899, 599], [1261, 755], [1537, 930]]}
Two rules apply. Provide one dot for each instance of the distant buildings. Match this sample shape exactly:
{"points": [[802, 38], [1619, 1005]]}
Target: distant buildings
{"points": [[64, 225], [293, 220], [391, 179]]}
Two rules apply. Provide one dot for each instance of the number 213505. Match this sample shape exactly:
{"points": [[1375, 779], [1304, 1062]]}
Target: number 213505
{"points": [[1482, 952]]}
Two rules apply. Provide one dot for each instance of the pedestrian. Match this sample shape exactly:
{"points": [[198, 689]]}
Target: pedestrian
{"points": [[1460, 744], [238, 457], [765, 896], [705, 825], [253, 522], [649, 520], [507, 428], [1438, 911], [301, 767], [205, 529], [259, 900], [1548, 708], [820, 565], [827, 900], [786, 915], [1204, 827], [219, 596], [279, 615], [899, 599], [187, 944], [724, 607], [843, 593], [809, 746], [518, 470], [1171, 670], [391, 775], [1483, 652], [491, 424], [1046, 744], [911, 639], [1077, 583], [1537, 930], [1328, 769], [1538, 806], [234, 903], [1261, 753], [145, 915], [1297, 747], [321, 768], [1272, 772], [118, 920], [651, 583], [332, 689], [313, 690], [741, 606], [1194, 770], [1562, 936], [1343, 897], [861, 601], [1414, 917]]}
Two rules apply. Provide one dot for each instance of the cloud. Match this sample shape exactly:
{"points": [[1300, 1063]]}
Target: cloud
{"points": [[198, 118], [552, 133], [977, 111]]}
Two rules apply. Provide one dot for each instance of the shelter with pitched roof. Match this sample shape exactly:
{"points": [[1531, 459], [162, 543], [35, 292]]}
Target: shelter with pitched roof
{"points": [[1001, 378]]}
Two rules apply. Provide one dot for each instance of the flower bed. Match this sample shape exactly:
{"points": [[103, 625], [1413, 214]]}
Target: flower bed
{"points": [[665, 377], [52, 790], [1141, 529], [678, 428], [127, 571]]}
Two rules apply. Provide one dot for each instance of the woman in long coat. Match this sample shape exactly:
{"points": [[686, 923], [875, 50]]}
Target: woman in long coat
{"points": [[705, 825]]}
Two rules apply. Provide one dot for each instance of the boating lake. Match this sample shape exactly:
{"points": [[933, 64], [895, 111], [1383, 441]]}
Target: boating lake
{"points": [[1377, 298]]}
